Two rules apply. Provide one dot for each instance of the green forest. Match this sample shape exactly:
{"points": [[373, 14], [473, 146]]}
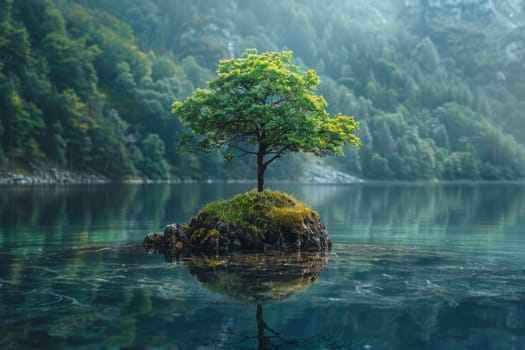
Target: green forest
{"points": [[438, 87]]}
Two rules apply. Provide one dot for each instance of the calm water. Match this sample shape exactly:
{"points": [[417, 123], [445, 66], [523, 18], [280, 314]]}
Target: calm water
{"points": [[412, 267]]}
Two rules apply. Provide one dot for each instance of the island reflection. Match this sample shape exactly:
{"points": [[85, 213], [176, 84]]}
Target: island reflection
{"points": [[255, 278]]}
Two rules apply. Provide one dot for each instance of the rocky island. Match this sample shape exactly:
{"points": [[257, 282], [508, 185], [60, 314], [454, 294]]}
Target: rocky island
{"points": [[248, 222]]}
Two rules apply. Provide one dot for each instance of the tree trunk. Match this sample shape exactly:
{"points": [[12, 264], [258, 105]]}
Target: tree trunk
{"points": [[261, 167], [260, 328], [260, 179]]}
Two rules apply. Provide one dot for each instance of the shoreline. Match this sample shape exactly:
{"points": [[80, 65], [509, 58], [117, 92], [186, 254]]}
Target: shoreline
{"points": [[51, 176], [55, 176], [44, 175]]}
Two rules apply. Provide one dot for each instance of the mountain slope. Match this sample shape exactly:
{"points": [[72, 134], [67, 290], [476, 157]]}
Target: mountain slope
{"points": [[437, 84]]}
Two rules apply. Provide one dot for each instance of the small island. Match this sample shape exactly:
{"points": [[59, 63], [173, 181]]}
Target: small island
{"points": [[259, 105], [249, 222]]}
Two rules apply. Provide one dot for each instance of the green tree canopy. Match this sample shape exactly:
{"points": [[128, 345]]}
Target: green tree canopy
{"points": [[263, 105]]}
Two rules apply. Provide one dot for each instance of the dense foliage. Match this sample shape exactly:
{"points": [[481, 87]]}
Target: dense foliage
{"points": [[437, 86], [265, 106]]}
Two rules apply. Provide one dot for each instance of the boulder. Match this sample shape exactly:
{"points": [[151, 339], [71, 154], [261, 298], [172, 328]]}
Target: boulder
{"points": [[249, 222]]}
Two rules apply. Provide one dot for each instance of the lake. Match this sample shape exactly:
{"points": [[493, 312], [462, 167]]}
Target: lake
{"points": [[413, 266]]}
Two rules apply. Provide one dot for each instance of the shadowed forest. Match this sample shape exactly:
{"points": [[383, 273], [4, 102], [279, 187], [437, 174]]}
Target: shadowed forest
{"points": [[437, 87]]}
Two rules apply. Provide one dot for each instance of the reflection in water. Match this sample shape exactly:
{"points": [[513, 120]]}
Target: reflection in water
{"points": [[258, 278], [467, 216], [255, 278], [434, 266], [261, 328], [369, 296]]}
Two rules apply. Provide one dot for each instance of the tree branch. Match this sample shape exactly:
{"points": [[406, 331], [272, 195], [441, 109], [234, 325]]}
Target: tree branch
{"points": [[277, 155], [278, 102], [244, 150]]}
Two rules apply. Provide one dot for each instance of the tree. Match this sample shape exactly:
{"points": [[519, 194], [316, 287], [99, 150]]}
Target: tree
{"points": [[263, 105], [153, 164]]}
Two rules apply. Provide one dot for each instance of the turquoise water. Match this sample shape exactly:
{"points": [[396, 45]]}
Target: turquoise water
{"points": [[413, 266]]}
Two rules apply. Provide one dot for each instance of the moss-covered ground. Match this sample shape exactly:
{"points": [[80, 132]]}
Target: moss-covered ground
{"points": [[260, 211]]}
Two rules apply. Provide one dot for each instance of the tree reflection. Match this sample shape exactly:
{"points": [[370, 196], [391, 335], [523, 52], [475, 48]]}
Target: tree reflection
{"points": [[255, 279], [261, 327]]}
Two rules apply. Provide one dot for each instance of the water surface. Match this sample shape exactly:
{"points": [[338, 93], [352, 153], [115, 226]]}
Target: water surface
{"points": [[419, 266]]}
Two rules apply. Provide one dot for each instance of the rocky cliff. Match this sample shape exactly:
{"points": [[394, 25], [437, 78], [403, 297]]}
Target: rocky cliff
{"points": [[444, 13]]}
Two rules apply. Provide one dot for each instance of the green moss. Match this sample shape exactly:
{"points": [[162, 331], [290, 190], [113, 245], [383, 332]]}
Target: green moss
{"points": [[292, 217], [199, 234], [242, 207], [259, 211], [213, 234], [203, 234]]}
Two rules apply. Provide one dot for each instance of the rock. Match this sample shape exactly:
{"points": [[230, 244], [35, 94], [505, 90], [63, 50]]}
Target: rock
{"points": [[173, 237], [153, 241], [271, 221], [175, 230], [312, 237], [237, 243], [42, 174], [444, 13], [327, 175], [16, 179], [214, 236]]}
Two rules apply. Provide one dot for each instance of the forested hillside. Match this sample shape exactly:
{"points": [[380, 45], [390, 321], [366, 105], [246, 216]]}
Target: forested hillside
{"points": [[438, 86]]}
